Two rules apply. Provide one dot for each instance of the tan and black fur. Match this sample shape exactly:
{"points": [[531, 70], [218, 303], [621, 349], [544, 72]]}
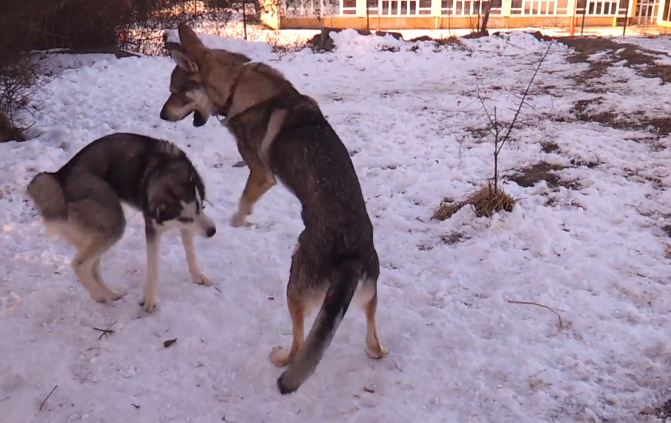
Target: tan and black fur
{"points": [[82, 204], [281, 132]]}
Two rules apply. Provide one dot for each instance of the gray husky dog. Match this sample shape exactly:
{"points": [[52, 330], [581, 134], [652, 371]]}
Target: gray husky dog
{"points": [[283, 133], [82, 204]]}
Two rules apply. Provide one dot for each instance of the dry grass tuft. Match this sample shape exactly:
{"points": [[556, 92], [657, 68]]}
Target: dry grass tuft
{"points": [[485, 202]]}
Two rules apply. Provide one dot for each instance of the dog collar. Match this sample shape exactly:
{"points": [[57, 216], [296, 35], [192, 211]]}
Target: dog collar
{"points": [[225, 109]]}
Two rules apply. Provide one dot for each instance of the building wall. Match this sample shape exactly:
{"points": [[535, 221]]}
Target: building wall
{"points": [[504, 18], [437, 22]]}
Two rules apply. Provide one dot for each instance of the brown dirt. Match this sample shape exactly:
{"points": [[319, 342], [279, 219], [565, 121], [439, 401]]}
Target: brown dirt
{"points": [[451, 238], [9, 132], [667, 229], [550, 147], [542, 171], [643, 61], [659, 126]]}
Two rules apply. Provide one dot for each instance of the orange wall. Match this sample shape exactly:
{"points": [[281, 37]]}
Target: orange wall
{"points": [[433, 22]]}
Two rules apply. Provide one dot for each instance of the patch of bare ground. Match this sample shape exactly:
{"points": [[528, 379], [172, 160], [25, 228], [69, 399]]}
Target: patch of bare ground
{"points": [[550, 147], [452, 41], [8, 131], [667, 230], [582, 111], [542, 171], [642, 61], [636, 176], [447, 239]]}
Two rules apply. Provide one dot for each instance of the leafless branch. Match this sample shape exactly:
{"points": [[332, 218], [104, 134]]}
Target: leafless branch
{"points": [[47, 397], [554, 310], [502, 134]]}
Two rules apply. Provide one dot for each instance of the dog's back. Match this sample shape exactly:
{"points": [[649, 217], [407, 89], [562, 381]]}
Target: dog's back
{"points": [[121, 159], [311, 160]]}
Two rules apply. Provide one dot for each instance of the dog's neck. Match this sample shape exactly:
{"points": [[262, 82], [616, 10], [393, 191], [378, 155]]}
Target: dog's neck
{"points": [[225, 108]]}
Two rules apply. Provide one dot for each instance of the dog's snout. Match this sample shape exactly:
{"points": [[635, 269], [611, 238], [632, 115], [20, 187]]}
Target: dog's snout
{"points": [[210, 232]]}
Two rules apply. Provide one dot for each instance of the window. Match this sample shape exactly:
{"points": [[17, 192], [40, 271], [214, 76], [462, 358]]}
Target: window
{"points": [[602, 8], [406, 7], [539, 7], [348, 7]]}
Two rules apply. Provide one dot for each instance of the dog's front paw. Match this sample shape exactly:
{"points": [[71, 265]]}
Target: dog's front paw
{"points": [[148, 304], [117, 295], [102, 297], [201, 279], [378, 353], [238, 220]]}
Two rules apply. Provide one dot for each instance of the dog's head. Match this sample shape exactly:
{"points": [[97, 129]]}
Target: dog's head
{"points": [[187, 95], [175, 199], [191, 78]]}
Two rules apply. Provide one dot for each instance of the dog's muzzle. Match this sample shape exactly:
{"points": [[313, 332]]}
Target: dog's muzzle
{"points": [[209, 232], [165, 115]]}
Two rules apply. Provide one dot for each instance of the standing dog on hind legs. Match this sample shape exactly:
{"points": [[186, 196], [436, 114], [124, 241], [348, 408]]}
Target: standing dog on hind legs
{"points": [[81, 203], [282, 132]]}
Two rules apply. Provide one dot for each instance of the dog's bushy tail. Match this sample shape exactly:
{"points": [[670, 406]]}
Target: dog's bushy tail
{"points": [[338, 297], [48, 195]]}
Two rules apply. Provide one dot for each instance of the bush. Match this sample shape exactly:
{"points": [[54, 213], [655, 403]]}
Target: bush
{"points": [[82, 26]]}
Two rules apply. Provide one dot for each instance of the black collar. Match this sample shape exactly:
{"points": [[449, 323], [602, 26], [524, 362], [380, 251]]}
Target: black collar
{"points": [[225, 109]]}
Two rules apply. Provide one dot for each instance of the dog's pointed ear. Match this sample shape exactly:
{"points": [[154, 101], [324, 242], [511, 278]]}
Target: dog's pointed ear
{"points": [[188, 39], [184, 62]]}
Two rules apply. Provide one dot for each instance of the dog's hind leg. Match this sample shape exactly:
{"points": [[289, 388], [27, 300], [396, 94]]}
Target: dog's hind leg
{"points": [[96, 222], [373, 347], [298, 309], [97, 276], [197, 276], [260, 180], [153, 237], [279, 356], [84, 267]]}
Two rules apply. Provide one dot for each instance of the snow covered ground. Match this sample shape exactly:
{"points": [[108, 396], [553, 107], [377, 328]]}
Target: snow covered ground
{"points": [[464, 345]]}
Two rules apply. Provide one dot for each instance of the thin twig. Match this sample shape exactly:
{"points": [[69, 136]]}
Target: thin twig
{"points": [[45, 399], [506, 136], [554, 310], [105, 332], [223, 419]]}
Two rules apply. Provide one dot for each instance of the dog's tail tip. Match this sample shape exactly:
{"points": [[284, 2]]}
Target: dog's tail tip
{"points": [[47, 194], [284, 387]]}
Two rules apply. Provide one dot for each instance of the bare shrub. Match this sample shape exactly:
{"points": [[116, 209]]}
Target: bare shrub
{"points": [[492, 198], [282, 47]]}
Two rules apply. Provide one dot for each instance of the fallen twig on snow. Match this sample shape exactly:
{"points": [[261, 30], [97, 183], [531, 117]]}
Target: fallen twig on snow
{"points": [[47, 397], [397, 366], [554, 310], [105, 332]]}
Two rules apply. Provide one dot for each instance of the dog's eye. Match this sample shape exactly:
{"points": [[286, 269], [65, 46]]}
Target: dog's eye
{"points": [[185, 219]]}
